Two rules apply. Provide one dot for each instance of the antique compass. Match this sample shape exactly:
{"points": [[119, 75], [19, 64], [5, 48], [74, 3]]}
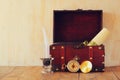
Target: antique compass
{"points": [[73, 66], [86, 66]]}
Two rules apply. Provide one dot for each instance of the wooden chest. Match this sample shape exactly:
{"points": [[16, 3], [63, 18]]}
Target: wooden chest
{"points": [[71, 28]]}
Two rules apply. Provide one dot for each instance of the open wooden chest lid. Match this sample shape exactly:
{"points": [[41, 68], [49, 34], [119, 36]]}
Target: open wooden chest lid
{"points": [[76, 25]]}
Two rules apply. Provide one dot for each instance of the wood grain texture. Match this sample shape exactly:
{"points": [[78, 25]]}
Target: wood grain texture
{"points": [[34, 73], [107, 75], [116, 71]]}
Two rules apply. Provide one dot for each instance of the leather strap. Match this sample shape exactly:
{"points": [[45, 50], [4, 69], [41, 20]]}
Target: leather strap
{"points": [[62, 53], [91, 53]]}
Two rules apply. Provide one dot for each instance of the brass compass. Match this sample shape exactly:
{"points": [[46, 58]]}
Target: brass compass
{"points": [[86, 66], [73, 66]]}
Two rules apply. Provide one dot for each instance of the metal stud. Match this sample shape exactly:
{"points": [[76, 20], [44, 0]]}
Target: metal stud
{"points": [[53, 47], [62, 47], [57, 69], [96, 69], [103, 69], [99, 47], [90, 47], [52, 58], [103, 62], [62, 57], [91, 58], [103, 55]]}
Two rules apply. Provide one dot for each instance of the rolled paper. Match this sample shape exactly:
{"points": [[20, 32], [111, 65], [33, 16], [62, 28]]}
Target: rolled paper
{"points": [[46, 43], [86, 66], [99, 38]]}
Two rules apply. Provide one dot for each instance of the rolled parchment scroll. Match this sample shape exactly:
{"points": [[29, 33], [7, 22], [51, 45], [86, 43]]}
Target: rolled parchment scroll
{"points": [[99, 38]]}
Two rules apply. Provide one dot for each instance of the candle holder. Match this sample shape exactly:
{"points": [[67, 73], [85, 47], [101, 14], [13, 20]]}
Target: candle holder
{"points": [[47, 65]]}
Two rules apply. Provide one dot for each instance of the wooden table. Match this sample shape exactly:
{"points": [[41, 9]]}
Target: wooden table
{"points": [[34, 73]]}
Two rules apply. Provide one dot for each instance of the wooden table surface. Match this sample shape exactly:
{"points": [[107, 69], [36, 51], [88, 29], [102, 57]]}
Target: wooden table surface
{"points": [[34, 73]]}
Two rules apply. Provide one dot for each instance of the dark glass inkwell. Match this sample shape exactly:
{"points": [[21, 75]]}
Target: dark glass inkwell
{"points": [[47, 65]]}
